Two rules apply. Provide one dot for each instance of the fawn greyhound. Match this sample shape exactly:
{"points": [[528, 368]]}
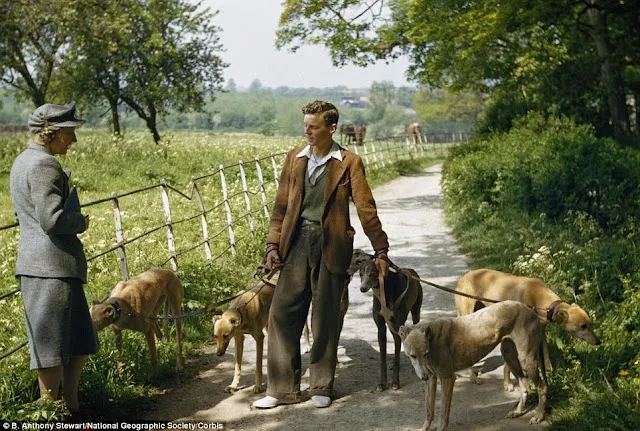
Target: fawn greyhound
{"points": [[439, 347], [499, 286], [133, 304]]}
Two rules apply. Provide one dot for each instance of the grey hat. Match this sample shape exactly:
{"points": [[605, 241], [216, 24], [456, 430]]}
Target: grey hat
{"points": [[53, 115]]}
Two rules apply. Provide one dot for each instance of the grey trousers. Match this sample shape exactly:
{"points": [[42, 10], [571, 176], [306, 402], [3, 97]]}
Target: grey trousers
{"points": [[304, 278]]}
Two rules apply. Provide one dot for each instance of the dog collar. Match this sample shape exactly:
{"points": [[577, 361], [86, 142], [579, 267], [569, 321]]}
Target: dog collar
{"points": [[551, 309], [116, 307]]}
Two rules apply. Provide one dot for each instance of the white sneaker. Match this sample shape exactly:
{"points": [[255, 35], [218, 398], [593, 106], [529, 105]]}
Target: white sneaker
{"points": [[266, 403], [321, 401], [270, 402]]}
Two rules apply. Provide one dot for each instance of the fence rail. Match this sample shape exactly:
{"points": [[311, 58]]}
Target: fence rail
{"points": [[376, 154]]}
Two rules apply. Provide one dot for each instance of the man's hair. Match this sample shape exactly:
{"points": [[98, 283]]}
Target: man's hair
{"points": [[328, 110]]}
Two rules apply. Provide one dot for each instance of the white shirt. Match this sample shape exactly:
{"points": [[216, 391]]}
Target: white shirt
{"points": [[315, 166]]}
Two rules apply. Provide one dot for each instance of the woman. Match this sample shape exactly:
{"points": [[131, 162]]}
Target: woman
{"points": [[51, 266]]}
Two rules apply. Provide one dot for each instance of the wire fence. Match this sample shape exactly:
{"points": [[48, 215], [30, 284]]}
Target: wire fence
{"points": [[228, 201]]}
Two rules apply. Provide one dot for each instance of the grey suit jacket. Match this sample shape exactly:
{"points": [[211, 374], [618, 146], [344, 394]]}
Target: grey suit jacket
{"points": [[48, 246]]}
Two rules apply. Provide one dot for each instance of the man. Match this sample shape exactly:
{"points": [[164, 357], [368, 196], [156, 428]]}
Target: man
{"points": [[311, 232]]}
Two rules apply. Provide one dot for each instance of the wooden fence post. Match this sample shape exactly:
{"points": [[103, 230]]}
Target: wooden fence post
{"points": [[227, 210], [246, 196], [119, 237], [366, 154], [375, 158], [167, 216], [263, 192], [203, 221], [275, 171]]}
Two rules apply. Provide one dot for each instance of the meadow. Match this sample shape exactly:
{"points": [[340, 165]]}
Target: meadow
{"points": [[106, 170]]}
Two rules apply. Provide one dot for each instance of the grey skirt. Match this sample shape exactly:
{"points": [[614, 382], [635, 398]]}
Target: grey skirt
{"points": [[58, 323]]}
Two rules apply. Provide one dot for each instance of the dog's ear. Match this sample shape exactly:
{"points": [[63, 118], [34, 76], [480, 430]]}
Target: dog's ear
{"points": [[96, 302], [110, 311], [235, 322], [559, 316], [404, 331], [427, 332]]}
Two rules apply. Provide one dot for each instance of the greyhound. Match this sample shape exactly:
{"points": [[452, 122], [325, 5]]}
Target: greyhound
{"points": [[499, 286], [438, 348], [401, 294], [134, 303], [247, 314]]}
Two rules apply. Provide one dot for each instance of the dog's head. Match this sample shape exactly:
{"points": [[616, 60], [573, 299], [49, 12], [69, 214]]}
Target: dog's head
{"points": [[416, 341], [224, 328], [103, 314], [357, 258], [367, 270], [576, 321]]}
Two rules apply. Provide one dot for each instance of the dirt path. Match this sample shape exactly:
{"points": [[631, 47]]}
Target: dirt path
{"points": [[411, 212]]}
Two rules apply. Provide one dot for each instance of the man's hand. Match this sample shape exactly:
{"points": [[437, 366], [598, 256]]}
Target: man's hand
{"points": [[272, 259], [382, 265]]}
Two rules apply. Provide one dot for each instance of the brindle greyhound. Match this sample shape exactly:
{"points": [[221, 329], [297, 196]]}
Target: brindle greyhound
{"points": [[400, 295]]}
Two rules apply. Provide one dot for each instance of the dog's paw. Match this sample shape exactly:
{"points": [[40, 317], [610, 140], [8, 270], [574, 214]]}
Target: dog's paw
{"points": [[258, 389], [509, 387], [395, 386], [536, 419], [232, 389], [514, 414], [381, 387]]}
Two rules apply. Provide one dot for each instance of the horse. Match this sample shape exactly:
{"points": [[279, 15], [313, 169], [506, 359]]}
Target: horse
{"points": [[349, 131], [360, 132], [415, 133]]}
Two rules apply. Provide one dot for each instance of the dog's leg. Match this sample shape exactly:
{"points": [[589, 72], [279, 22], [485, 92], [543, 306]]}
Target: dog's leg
{"points": [[508, 386], [239, 342], [446, 386], [382, 344], [180, 359], [510, 355], [307, 340], [259, 351], [153, 352], [430, 400], [473, 376], [395, 384]]}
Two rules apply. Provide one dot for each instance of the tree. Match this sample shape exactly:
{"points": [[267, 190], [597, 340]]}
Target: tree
{"points": [[255, 86], [502, 48], [32, 33], [174, 61], [231, 86]]}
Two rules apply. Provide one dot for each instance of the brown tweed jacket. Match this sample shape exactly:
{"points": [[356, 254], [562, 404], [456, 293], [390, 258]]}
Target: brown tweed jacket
{"points": [[345, 180]]}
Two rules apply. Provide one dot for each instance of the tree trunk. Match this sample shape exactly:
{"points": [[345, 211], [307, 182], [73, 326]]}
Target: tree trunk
{"points": [[152, 125], [611, 75], [115, 119]]}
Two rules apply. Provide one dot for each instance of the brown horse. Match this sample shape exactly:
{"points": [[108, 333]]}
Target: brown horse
{"points": [[415, 133], [360, 132], [349, 131]]}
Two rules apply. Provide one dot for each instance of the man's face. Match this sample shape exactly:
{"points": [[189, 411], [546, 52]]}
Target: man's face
{"points": [[316, 131]]}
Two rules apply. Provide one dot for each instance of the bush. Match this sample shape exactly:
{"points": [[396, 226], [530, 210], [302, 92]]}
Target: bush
{"points": [[550, 200]]}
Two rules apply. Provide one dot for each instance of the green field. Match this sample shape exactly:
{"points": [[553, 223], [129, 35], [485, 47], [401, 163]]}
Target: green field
{"points": [[102, 165]]}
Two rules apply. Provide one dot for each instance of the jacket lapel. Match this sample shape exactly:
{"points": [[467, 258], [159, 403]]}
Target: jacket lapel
{"points": [[298, 172], [336, 170]]}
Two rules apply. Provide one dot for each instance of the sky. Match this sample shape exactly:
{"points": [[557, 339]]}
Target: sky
{"points": [[248, 36]]}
